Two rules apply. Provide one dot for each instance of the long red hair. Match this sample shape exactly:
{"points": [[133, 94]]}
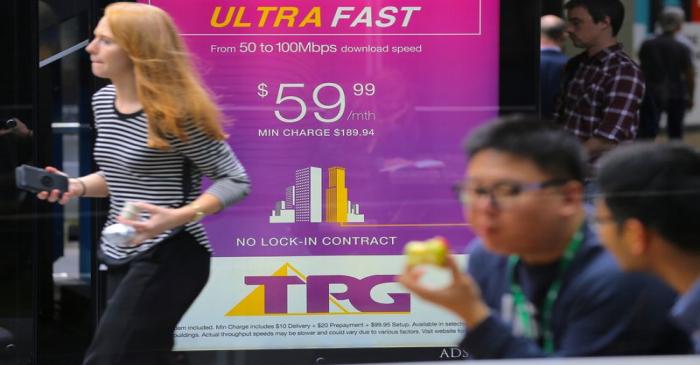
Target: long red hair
{"points": [[169, 88]]}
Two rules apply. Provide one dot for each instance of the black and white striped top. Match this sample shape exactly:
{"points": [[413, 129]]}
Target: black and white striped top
{"points": [[136, 172]]}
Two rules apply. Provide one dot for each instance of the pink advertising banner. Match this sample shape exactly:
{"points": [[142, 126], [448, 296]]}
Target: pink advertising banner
{"points": [[349, 117]]}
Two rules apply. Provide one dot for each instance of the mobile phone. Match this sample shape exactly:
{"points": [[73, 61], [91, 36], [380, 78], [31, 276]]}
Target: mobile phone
{"points": [[36, 180]]}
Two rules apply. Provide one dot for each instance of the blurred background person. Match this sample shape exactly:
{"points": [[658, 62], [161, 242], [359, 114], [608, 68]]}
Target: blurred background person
{"points": [[552, 61], [648, 218], [668, 68], [603, 87]]}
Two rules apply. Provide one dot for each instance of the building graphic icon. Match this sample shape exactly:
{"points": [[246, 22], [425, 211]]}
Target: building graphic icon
{"points": [[303, 201], [336, 196], [307, 195]]}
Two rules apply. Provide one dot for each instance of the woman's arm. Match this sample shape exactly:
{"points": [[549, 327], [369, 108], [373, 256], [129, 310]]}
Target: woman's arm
{"points": [[90, 186], [214, 159], [93, 185]]}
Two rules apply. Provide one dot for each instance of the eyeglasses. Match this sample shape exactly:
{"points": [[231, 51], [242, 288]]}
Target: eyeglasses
{"points": [[501, 193]]}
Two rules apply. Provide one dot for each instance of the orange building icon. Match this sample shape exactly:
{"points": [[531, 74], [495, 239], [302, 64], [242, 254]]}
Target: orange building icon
{"points": [[336, 196], [304, 201]]}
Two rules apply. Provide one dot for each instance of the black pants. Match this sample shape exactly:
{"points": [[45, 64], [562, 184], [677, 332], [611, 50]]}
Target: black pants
{"points": [[675, 113], [147, 298], [650, 117]]}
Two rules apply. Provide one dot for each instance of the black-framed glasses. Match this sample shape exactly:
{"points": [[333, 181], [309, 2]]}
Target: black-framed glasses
{"points": [[502, 192]]}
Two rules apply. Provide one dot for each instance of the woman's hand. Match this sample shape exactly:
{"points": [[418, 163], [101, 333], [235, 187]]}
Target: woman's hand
{"points": [[75, 188], [161, 219]]}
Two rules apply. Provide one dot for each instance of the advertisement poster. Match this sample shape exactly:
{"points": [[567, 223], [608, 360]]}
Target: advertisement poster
{"points": [[349, 116]]}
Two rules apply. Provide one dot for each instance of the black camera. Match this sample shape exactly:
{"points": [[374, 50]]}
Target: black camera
{"points": [[9, 124], [36, 180]]}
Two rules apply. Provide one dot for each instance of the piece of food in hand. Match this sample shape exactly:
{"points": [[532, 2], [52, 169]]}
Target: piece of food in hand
{"points": [[432, 252], [120, 234], [130, 211]]}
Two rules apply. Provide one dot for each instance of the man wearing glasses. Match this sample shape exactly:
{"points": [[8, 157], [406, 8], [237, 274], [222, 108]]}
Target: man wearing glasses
{"points": [[538, 282], [648, 219]]}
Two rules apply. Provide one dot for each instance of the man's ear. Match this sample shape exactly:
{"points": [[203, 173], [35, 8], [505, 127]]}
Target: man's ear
{"points": [[636, 236], [607, 21]]}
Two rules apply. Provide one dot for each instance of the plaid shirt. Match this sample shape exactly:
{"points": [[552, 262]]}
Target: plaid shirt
{"points": [[602, 96]]}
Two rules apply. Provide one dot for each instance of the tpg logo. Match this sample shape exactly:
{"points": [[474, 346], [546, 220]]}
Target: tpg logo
{"points": [[270, 297]]}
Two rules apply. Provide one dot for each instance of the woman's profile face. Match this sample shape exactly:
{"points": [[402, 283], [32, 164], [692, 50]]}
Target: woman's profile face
{"points": [[108, 59]]}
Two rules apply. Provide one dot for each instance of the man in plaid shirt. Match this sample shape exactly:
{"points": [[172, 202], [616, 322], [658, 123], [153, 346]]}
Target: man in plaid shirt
{"points": [[603, 87]]}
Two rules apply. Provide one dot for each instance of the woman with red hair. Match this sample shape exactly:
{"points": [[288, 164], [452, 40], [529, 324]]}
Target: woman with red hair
{"points": [[158, 133]]}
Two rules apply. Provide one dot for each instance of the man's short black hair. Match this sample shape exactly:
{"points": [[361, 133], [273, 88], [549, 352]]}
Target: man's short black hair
{"points": [[658, 184], [554, 151], [599, 9]]}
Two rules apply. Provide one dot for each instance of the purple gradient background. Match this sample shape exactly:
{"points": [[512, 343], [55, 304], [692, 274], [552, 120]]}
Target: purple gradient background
{"points": [[425, 104]]}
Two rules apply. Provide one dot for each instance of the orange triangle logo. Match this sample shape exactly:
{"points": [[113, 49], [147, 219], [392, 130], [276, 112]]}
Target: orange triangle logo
{"points": [[254, 303]]}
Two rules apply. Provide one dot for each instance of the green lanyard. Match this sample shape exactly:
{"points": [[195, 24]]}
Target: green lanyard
{"points": [[552, 294]]}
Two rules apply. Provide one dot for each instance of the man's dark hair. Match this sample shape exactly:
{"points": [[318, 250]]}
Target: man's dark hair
{"points": [[599, 9], [554, 151], [658, 184]]}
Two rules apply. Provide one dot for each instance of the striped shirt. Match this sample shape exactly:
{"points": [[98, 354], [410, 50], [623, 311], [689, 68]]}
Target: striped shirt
{"points": [[602, 96], [135, 172]]}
